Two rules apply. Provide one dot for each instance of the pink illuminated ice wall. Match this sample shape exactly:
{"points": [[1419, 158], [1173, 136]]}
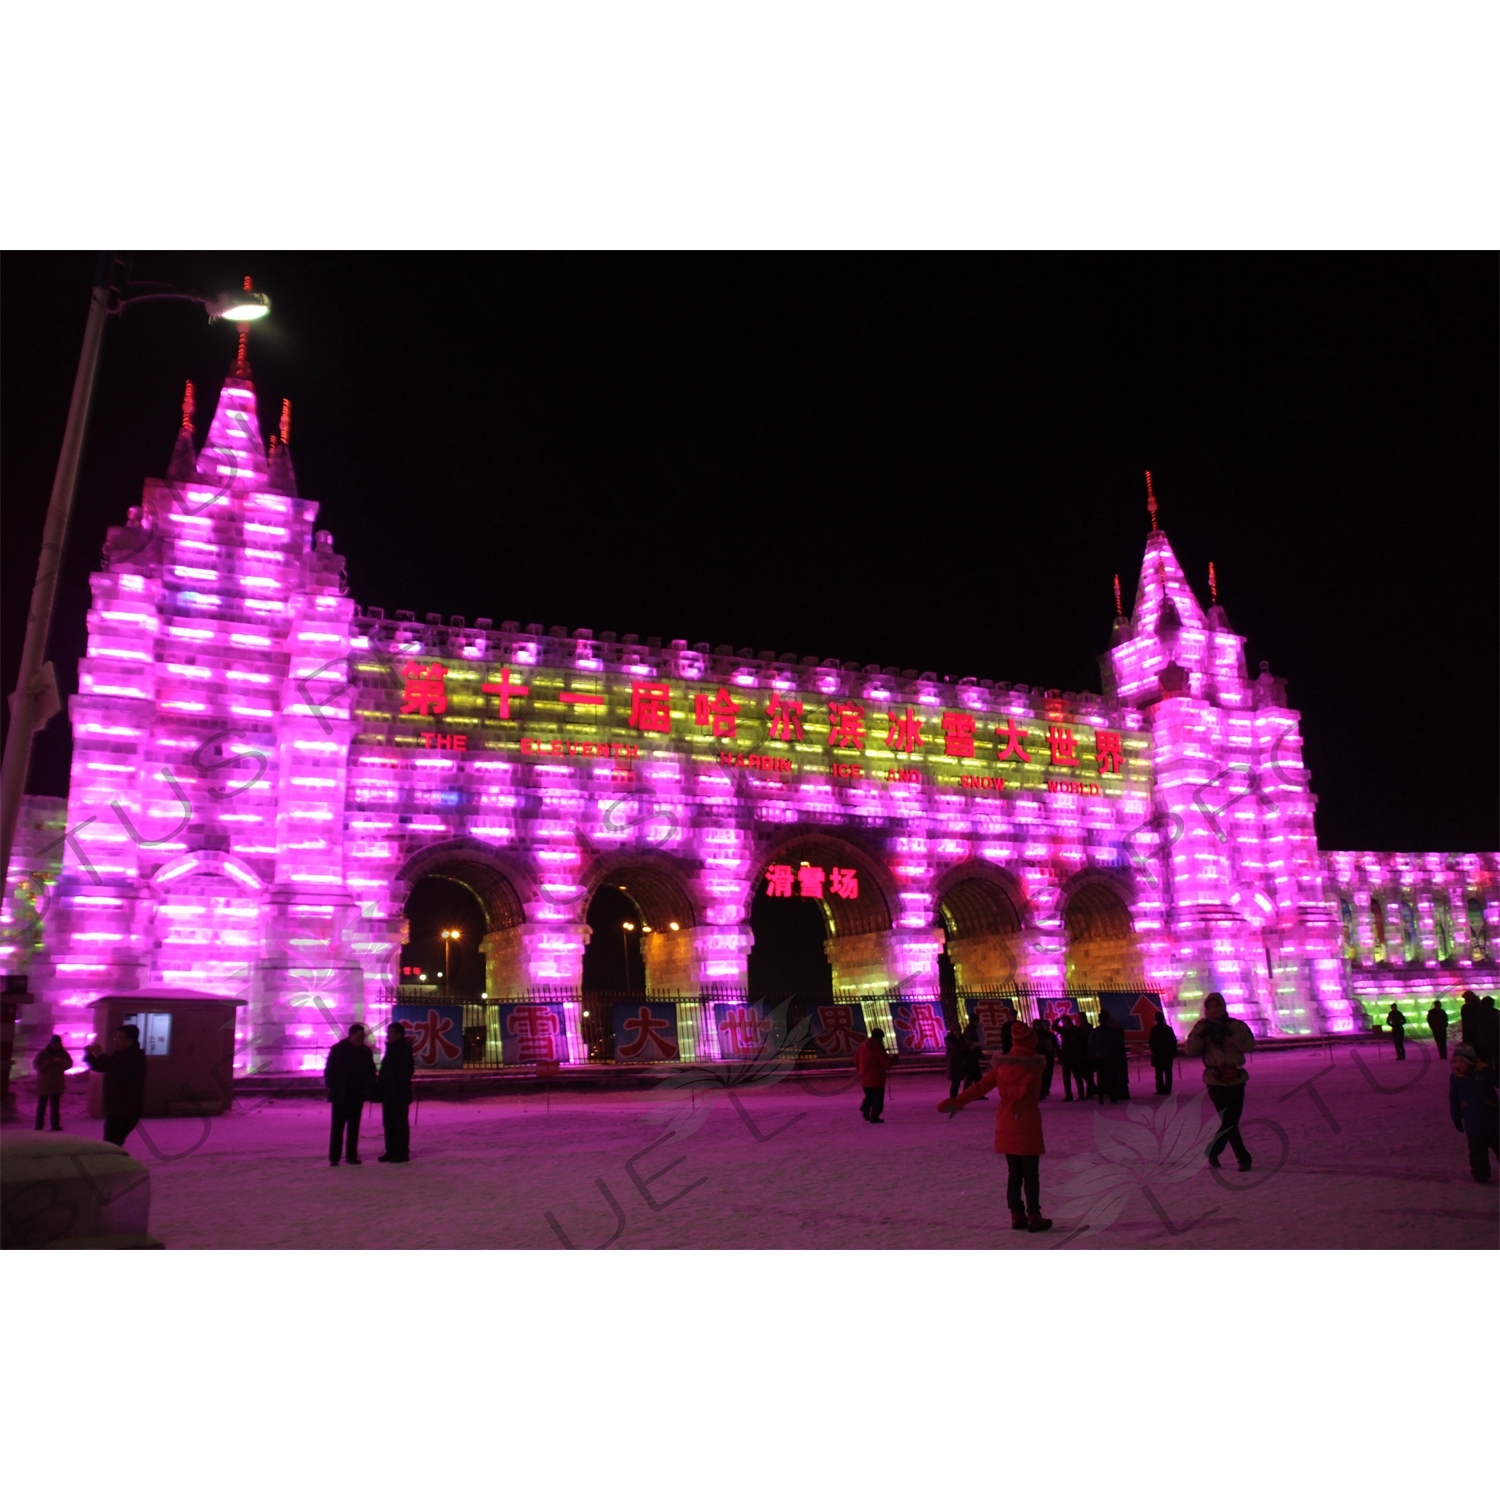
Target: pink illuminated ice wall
{"points": [[262, 771]]}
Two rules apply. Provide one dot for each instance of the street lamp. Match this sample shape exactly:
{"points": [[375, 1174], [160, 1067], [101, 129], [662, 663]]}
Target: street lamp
{"points": [[449, 935], [36, 698], [626, 928]]}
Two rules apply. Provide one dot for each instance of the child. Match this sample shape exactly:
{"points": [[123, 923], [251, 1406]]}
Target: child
{"points": [[1018, 1123], [1472, 1104]]}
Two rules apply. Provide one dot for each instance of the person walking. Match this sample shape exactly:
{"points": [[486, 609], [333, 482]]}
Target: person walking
{"points": [[1437, 1024], [1162, 1043], [1222, 1042], [394, 1088], [1072, 1048], [51, 1063], [1473, 1107], [124, 1070], [1046, 1046], [1018, 1124], [349, 1078], [1397, 1022], [956, 1055], [873, 1063]]}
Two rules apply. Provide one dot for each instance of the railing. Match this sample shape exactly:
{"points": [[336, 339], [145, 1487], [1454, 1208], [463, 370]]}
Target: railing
{"points": [[590, 1035]]}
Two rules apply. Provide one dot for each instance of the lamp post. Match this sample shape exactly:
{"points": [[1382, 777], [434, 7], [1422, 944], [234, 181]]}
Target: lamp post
{"points": [[449, 934], [626, 928], [35, 699]]}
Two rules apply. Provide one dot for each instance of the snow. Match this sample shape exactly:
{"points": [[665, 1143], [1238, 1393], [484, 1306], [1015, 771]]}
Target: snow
{"points": [[1371, 1162]]}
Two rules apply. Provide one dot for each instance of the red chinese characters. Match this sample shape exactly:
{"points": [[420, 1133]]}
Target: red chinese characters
{"points": [[785, 716], [904, 735], [429, 1039], [744, 1031], [1062, 745], [422, 690], [810, 881], [1012, 741], [958, 735], [537, 1032], [992, 1015], [506, 690], [835, 1034], [846, 729], [650, 1034], [651, 707], [716, 714], [1109, 754], [845, 884], [779, 880]]}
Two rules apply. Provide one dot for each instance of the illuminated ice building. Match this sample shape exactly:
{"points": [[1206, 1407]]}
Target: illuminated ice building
{"points": [[262, 771]]}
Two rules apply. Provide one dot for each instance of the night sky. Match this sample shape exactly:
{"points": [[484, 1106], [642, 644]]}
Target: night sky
{"points": [[925, 461]]}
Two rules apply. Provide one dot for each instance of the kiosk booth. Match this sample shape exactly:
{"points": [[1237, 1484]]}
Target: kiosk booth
{"points": [[188, 1039]]}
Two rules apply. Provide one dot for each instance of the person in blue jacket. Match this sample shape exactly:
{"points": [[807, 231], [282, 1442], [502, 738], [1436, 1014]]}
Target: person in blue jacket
{"points": [[1474, 1108]]}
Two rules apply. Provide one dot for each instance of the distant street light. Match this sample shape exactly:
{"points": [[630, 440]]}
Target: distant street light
{"points": [[36, 698], [449, 935], [626, 928]]}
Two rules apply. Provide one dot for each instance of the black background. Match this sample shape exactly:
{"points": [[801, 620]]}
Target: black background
{"points": [[923, 461]]}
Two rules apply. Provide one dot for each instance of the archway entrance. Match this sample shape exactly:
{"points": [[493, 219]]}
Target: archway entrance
{"points": [[450, 968], [820, 916], [461, 886], [981, 917], [642, 921], [1102, 952]]}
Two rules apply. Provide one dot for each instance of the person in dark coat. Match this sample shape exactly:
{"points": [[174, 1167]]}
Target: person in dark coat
{"points": [[974, 1070], [1397, 1022], [51, 1063], [956, 1054], [1437, 1024], [1487, 1043], [1073, 1048], [394, 1086], [1046, 1046], [350, 1079], [1473, 1107], [1107, 1046], [124, 1070], [1468, 1023], [1086, 1054], [1223, 1041], [1162, 1043]]}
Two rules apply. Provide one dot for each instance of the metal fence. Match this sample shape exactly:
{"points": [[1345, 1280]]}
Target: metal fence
{"points": [[593, 1014]]}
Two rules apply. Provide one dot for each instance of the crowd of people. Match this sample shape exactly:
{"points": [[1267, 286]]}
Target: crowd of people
{"points": [[1094, 1062]]}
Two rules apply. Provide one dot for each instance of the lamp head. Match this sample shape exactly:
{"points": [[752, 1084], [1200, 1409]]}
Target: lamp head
{"points": [[241, 306]]}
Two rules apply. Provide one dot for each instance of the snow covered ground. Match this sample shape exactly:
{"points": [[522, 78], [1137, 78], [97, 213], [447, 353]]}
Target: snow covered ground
{"points": [[1353, 1150]]}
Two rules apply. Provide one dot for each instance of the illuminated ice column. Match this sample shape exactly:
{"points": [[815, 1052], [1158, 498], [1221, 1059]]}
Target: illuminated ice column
{"points": [[309, 980], [95, 920]]}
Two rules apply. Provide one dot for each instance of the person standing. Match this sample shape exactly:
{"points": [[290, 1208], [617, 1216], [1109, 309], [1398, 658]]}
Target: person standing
{"points": [[1437, 1024], [394, 1087], [1468, 1023], [1162, 1043], [1107, 1045], [1397, 1022], [124, 1070], [1487, 1042], [1071, 1046], [1473, 1108], [1018, 1124], [1222, 1042], [1086, 1055], [974, 1069], [873, 1063], [51, 1063], [350, 1079], [956, 1055], [1046, 1046]]}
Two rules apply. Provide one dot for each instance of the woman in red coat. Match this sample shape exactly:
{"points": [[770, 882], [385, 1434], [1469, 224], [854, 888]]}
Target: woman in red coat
{"points": [[1018, 1123]]}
